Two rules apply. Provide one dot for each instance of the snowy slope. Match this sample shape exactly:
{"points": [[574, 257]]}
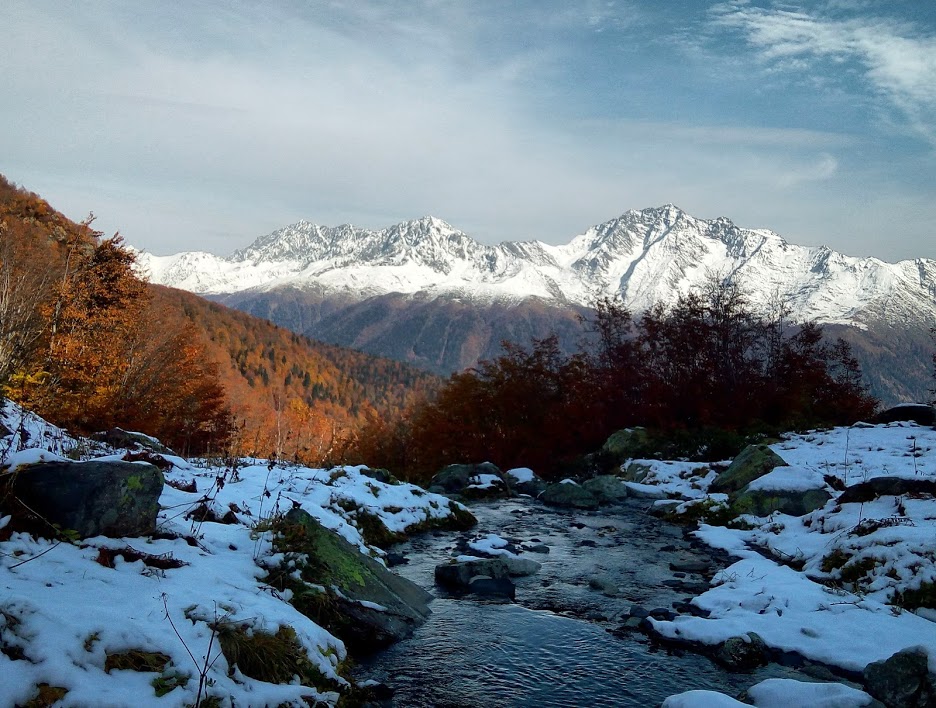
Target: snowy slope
{"points": [[644, 256]]}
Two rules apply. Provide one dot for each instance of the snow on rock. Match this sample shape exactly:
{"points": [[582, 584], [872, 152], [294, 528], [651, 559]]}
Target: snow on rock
{"points": [[777, 693], [520, 475]]}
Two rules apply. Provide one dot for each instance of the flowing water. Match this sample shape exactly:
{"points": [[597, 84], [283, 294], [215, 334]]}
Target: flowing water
{"points": [[554, 646]]}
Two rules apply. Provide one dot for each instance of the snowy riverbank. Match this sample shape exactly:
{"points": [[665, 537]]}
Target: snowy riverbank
{"points": [[96, 621], [847, 584]]}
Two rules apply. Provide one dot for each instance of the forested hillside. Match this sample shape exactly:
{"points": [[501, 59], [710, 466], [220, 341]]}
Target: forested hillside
{"points": [[290, 394], [88, 345]]}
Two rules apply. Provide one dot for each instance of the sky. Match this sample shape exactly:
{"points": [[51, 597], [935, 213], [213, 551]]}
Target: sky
{"points": [[204, 125]]}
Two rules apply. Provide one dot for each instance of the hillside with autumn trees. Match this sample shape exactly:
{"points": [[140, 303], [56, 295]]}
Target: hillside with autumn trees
{"points": [[90, 346]]}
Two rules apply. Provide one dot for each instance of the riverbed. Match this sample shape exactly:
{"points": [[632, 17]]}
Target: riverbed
{"points": [[560, 643]]}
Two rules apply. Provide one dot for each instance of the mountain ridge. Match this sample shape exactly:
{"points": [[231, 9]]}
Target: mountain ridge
{"points": [[643, 256]]}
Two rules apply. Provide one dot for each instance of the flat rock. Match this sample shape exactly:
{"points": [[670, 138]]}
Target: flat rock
{"points": [[115, 499]]}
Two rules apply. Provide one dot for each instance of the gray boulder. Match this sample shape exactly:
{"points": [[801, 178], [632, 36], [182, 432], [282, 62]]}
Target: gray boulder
{"points": [[886, 487], [743, 653], [87, 499], [458, 575], [762, 502], [530, 484], [753, 461], [607, 488], [902, 680], [125, 440], [625, 444], [635, 472], [463, 480], [920, 413], [567, 494], [373, 608]]}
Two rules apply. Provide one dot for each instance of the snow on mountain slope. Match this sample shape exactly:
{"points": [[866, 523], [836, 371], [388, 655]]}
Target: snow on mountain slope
{"points": [[644, 256]]}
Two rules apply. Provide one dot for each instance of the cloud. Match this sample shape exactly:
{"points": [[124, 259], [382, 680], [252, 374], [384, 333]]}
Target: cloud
{"points": [[209, 131], [897, 59]]}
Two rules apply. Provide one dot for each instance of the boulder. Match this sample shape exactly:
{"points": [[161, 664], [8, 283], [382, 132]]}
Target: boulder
{"points": [[523, 480], [87, 499], [125, 440], [372, 606], [763, 502], [886, 487], [604, 585], [625, 444], [753, 461], [607, 488], [920, 413], [743, 653], [379, 474], [569, 494], [476, 481], [457, 575], [635, 472], [902, 680]]}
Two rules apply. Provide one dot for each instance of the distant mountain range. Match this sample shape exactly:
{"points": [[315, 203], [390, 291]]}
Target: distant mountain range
{"points": [[425, 292]]}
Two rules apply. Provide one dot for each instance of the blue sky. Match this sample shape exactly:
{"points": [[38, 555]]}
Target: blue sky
{"points": [[203, 125]]}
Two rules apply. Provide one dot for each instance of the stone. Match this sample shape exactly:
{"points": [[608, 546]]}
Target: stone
{"points": [[902, 680], [379, 475], [753, 462], [125, 440], [625, 444], [763, 502], [742, 653], [457, 479], [635, 472], [457, 575], [607, 488], [569, 495], [920, 413], [537, 548], [394, 559], [492, 587], [886, 487], [114, 499], [518, 567], [525, 481], [604, 585], [372, 608]]}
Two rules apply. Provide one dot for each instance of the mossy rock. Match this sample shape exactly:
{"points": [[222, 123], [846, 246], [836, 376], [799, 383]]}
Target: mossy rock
{"points": [[607, 488], [569, 495], [83, 499], [763, 502], [754, 462], [326, 559], [625, 444]]}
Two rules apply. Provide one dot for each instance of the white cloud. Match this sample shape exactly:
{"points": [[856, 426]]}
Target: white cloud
{"points": [[897, 59], [209, 132]]}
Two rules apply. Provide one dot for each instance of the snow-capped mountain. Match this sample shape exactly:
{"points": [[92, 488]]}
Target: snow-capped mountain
{"points": [[644, 256]]}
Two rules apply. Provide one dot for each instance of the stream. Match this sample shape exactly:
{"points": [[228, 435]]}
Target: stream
{"points": [[558, 644]]}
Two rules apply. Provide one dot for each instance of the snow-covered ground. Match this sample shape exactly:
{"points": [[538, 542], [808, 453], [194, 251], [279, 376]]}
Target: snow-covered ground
{"points": [[827, 585], [64, 611]]}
